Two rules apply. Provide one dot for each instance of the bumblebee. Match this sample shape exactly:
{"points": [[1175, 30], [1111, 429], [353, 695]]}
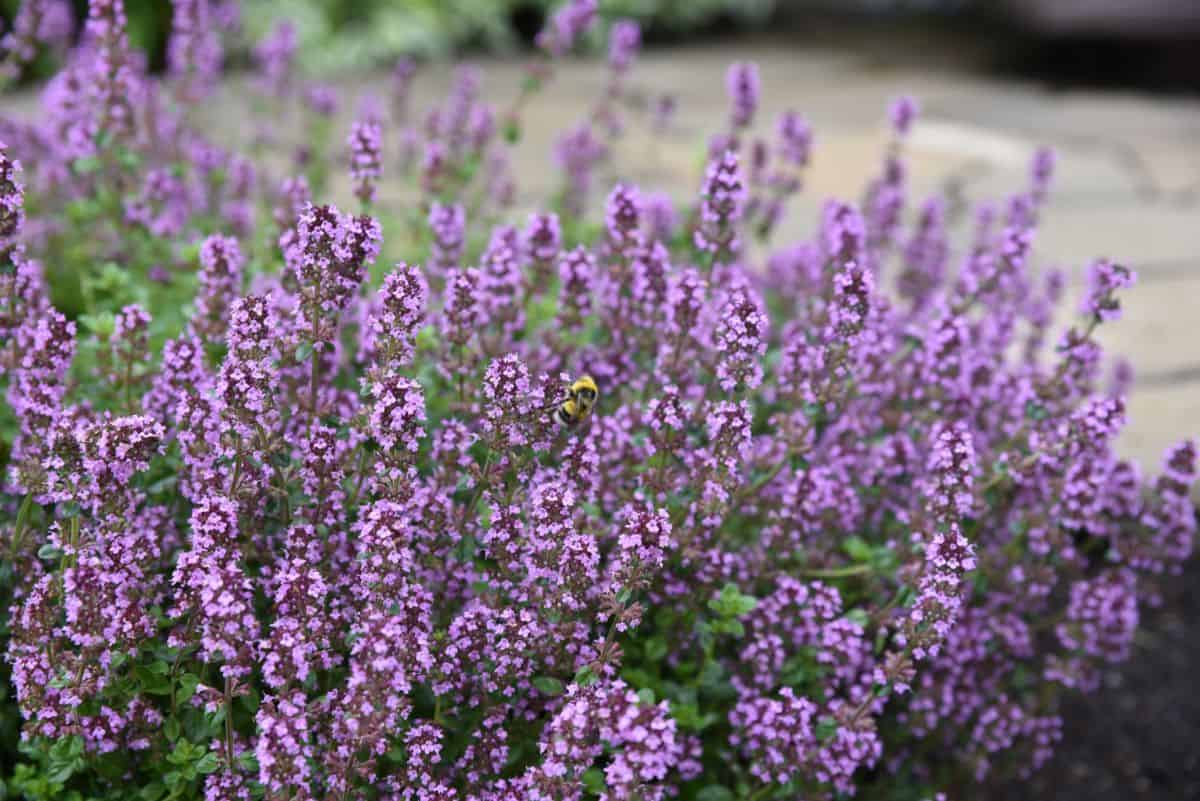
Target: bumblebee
{"points": [[582, 395]]}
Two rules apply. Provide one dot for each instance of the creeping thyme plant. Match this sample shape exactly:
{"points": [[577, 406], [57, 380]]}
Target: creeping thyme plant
{"points": [[287, 514]]}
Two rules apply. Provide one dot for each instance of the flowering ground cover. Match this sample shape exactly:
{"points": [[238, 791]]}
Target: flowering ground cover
{"points": [[306, 501], [1131, 739]]}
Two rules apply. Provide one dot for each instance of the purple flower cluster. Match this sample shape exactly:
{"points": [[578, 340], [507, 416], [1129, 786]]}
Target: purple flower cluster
{"points": [[114, 84], [724, 197], [608, 715], [327, 257], [949, 556], [36, 22], [194, 48], [568, 24], [402, 305], [743, 85], [902, 113], [219, 285], [742, 341], [12, 200], [1105, 278], [624, 41], [275, 55], [366, 158], [578, 152], [448, 226]]}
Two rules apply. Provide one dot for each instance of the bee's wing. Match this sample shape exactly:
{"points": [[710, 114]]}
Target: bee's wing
{"points": [[566, 396], [547, 407]]}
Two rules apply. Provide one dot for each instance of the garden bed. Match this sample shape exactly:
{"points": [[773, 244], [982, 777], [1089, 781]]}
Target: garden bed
{"points": [[1135, 740]]}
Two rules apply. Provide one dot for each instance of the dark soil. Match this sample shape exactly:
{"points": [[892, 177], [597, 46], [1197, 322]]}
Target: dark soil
{"points": [[1138, 737]]}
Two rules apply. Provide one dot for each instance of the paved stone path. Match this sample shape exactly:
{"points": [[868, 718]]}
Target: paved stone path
{"points": [[1127, 184]]}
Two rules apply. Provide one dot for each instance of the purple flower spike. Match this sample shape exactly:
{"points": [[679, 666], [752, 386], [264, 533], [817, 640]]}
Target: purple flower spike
{"points": [[366, 159], [194, 49], [795, 138], [723, 201], [1105, 278], [572, 20], [624, 41], [902, 113], [742, 84], [448, 225]]}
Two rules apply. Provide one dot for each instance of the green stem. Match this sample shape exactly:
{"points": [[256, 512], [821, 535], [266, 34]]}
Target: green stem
{"points": [[999, 478], [361, 474], [178, 661], [437, 711], [312, 389], [73, 539], [838, 572], [237, 474], [19, 528], [483, 482], [229, 724]]}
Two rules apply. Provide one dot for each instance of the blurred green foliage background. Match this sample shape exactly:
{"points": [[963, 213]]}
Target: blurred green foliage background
{"points": [[342, 35]]}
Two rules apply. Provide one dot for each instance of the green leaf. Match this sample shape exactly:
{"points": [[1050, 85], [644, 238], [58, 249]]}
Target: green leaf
{"points": [[427, 338], [687, 716], [548, 685], [153, 791], [881, 637], [715, 792], [303, 351], [593, 780], [151, 681], [656, 649], [858, 616], [187, 687], [732, 627], [646, 696], [512, 130], [801, 668], [637, 677], [826, 727], [86, 165], [129, 159], [585, 676], [171, 729], [207, 763], [857, 549], [250, 700], [102, 324], [732, 603], [712, 676], [247, 761], [66, 758], [49, 552], [163, 484], [181, 754]]}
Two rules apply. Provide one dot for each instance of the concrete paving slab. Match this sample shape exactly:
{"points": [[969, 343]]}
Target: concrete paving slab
{"points": [[1127, 185]]}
